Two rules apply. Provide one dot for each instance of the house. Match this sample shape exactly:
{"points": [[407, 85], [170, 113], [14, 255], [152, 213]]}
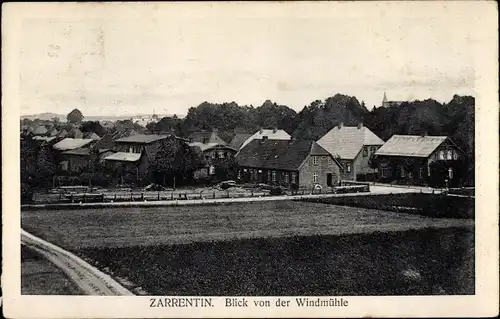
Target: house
{"points": [[75, 160], [211, 153], [62, 133], [91, 135], [52, 131], [352, 146], [282, 162], [74, 153], [137, 142], [72, 143], [206, 138], [75, 133], [274, 134], [414, 159], [238, 140], [105, 143], [128, 167]]}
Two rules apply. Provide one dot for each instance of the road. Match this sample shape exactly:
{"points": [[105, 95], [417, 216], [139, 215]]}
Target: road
{"points": [[88, 278]]}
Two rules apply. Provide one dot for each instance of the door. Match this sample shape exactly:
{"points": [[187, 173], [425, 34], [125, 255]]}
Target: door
{"points": [[329, 179]]}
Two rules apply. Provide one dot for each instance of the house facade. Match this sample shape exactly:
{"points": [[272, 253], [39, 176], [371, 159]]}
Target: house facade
{"points": [[128, 167], [282, 162], [420, 160], [138, 142], [353, 147]]}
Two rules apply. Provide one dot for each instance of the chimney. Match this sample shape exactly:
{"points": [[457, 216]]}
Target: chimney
{"points": [[275, 129], [261, 130], [265, 137], [360, 126], [340, 125], [423, 134]]}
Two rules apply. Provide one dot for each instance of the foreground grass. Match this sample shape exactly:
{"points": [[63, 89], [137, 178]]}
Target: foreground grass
{"points": [[431, 205], [416, 262], [125, 227]]}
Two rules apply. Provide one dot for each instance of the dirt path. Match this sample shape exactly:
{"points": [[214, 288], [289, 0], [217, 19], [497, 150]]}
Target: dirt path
{"points": [[89, 279]]}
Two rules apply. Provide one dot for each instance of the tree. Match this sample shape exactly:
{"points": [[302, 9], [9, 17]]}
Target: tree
{"points": [[175, 162], [226, 168], [93, 126], [74, 116]]}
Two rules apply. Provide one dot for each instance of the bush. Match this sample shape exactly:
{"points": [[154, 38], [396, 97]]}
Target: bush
{"points": [[277, 191]]}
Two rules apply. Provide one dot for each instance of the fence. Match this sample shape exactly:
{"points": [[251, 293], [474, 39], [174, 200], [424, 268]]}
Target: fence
{"points": [[136, 196]]}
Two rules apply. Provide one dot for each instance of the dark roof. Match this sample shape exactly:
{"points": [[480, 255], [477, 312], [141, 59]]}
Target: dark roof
{"points": [[106, 142], [142, 138], [238, 140], [278, 154]]}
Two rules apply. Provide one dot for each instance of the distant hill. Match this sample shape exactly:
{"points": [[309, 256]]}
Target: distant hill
{"points": [[62, 117], [44, 116]]}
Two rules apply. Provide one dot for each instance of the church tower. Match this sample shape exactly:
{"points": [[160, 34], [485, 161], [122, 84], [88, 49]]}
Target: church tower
{"points": [[384, 100]]}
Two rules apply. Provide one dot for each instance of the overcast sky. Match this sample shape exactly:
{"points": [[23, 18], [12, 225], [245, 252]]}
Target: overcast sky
{"points": [[108, 64]]}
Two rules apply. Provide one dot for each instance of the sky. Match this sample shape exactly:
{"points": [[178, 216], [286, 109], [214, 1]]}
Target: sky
{"points": [[107, 63]]}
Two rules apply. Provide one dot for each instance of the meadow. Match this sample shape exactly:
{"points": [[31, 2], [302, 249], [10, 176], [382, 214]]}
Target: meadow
{"points": [[268, 248]]}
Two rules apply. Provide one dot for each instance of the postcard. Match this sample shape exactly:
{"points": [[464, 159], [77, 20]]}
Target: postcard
{"points": [[250, 159]]}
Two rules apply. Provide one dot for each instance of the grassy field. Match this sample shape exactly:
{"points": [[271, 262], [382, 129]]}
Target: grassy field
{"points": [[424, 262], [123, 227], [433, 205], [268, 248]]}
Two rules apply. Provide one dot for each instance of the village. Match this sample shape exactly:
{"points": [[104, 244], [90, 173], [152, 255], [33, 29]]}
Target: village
{"points": [[84, 160]]}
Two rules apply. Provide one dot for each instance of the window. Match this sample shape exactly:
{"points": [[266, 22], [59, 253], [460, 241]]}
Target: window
{"points": [[130, 149], [315, 177], [384, 171], [285, 177], [403, 172], [268, 176], [294, 178], [373, 149], [348, 165], [450, 173], [410, 175], [245, 170], [441, 155], [329, 161], [365, 151], [274, 176], [449, 155], [421, 172], [315, 160], [455, 155]]}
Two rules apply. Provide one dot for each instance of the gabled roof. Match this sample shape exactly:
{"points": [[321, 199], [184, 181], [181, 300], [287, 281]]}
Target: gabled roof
{"points": [[124, 157], [40, 130], [269, 134], [62, 133], [71, 143], [211, 137], [208, 146], [92, 136], [105, 143], [74, 133], [78, 151], [44, 138], [238, 140], [278, 154], [141, 138], [347, 141], [411, 145]]}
